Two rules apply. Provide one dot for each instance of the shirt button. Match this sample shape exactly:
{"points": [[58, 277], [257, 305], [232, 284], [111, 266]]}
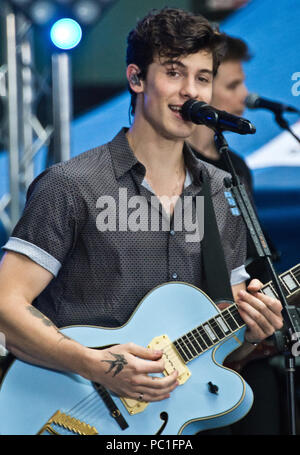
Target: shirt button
{"points": [[172, 232], [174, 276]]}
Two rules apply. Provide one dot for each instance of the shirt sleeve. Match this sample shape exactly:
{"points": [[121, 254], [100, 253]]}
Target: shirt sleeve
{"points": [[46, 231]]}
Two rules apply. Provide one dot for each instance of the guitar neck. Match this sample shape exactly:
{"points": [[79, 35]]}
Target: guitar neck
{"points": [[228, 321], [290, 283], [209, 334]]}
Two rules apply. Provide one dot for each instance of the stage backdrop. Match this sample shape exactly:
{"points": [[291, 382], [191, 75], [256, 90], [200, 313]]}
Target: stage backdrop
{"points": [[273, 155]]}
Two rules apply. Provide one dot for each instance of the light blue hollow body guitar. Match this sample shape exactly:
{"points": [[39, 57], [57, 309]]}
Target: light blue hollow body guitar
{"points": [[38, 400]]}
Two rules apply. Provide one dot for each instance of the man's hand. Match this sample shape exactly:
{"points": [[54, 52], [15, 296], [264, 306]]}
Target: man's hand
{"points": [[125, 369], [261, 313]]}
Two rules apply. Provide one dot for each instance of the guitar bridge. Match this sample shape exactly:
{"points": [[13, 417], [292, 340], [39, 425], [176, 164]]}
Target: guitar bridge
{"points": [[173, 361], [69, 423]]}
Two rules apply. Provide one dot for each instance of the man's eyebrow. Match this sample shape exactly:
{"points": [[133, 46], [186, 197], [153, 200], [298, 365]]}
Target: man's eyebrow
{"points": [[173, 62], [178, 63]]}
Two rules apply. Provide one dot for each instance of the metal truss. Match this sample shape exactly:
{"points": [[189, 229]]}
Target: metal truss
{"points": [[21, 86]]}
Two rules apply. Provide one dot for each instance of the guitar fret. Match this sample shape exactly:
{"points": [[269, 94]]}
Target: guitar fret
{"points": [[186, 347], [295, 277], [217, 329], [238, 317], [210, 332], [274, 290], [284, 287], [230, 320], [268, 290], [297, 273], [201, 347], [188, 344], [222, 324], [196, 347], [206, 338], [199, 339], [290, 281], [181, 351]]}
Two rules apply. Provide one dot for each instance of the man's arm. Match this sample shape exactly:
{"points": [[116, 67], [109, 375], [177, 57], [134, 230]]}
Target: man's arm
{"points": [[32, 337]]}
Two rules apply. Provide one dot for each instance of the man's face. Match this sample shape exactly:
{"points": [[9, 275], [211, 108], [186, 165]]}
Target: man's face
{"points": [[171, 82], [229, 89]]}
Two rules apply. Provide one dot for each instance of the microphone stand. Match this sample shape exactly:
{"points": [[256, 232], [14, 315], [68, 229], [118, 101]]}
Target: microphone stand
{"points": [[284, 125], [246, 209]]}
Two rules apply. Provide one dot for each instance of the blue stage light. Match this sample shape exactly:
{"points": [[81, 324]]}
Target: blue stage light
{"points": [[66, 33]]}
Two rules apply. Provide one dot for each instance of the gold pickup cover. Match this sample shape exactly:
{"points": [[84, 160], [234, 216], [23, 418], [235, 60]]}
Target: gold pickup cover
{"points": [[173, 361]]}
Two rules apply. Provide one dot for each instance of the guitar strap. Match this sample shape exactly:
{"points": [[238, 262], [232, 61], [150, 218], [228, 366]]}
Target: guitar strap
{"points": [[215, 273]]}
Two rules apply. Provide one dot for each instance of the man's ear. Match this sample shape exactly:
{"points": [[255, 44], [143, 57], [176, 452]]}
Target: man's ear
{"points": [[134, 79]]}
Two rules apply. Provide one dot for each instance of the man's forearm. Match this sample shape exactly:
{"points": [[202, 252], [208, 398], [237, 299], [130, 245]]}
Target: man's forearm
{"points": [[32, 337]]}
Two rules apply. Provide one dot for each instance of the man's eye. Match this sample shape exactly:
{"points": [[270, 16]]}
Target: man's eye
{"points": [[232, 86], [203, 79], [173, 73]]}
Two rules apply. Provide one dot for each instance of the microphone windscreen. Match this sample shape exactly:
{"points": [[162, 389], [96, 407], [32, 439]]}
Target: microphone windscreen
{"points": [[251, 100]]}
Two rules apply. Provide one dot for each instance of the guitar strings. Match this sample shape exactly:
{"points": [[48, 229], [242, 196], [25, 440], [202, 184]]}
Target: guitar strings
{"points": [[87, 409]]}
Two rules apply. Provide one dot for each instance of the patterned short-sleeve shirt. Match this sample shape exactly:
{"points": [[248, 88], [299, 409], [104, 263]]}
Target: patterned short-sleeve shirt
{"points": [[95, 224]]}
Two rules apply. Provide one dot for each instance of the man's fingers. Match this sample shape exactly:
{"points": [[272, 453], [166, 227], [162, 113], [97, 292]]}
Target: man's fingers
{"points": [[158, 383], [144, 353], [252, 325], [264, 309], [273, 304], [154, 389], [254, 285], [261, 313]]}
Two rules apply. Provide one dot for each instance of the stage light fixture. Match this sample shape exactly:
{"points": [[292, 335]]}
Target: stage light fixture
{"points": [[66, 33], [87, 11], [45, 12], [42, 12]]}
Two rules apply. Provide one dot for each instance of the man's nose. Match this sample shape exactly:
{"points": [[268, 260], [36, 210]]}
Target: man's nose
{"points": [[189, 89]]}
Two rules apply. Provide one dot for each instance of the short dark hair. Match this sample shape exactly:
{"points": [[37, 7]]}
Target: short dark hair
{"points": [[235, 49], [170, 32]]}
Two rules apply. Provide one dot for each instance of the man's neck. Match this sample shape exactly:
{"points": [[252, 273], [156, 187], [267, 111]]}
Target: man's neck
{"points": [[163, 160], [159, 155], [202, 140]]}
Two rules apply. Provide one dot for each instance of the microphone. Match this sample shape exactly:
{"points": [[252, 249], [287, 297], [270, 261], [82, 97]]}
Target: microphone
{"points": [[202, 114], [254, 101]]}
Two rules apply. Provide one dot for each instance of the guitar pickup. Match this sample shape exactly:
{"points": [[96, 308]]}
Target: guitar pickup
{"points": [[173, 361], [172, 358]]}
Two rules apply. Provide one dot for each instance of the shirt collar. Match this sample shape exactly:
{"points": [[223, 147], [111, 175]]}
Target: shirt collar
{"points": [[124, 159]]}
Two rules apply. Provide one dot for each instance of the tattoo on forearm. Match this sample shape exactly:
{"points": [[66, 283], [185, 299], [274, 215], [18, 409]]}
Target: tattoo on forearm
{"points": [[39, 315], [118, 363], [45, 320]]}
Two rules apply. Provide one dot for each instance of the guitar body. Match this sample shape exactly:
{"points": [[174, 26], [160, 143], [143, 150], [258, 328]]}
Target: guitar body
{"points": [[30, 395]]}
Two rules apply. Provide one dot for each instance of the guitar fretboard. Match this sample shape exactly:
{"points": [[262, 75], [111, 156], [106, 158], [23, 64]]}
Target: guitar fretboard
{"points": [[289, 280], [209, 334], [228, 321]]}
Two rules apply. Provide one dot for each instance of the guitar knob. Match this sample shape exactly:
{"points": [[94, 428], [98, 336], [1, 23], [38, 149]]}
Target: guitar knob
{"points": [[213, 388]]}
